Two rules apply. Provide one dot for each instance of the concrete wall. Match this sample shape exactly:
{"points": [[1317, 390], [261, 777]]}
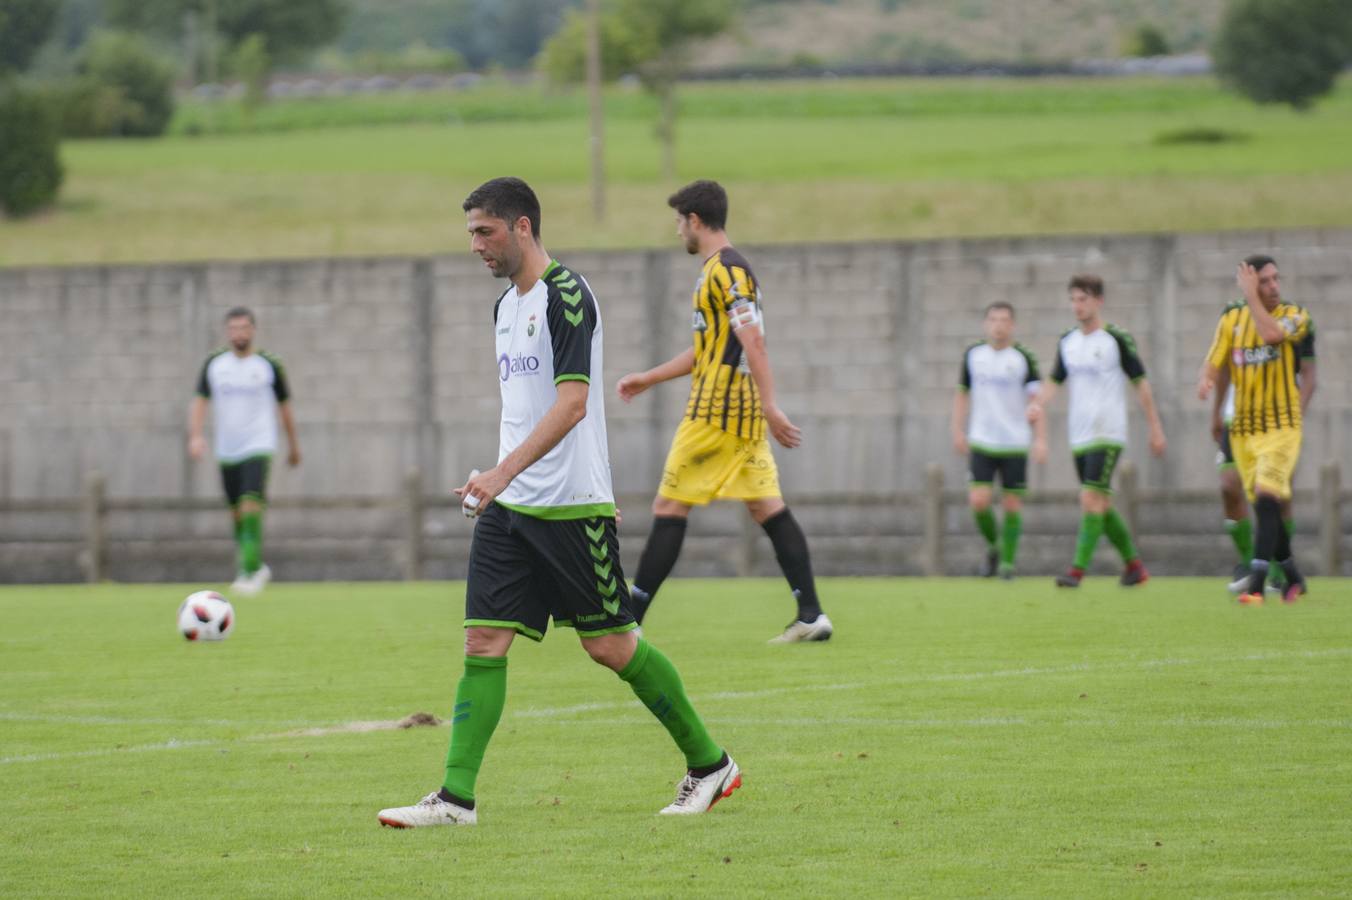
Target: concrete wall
{"points": [[392, 367]]}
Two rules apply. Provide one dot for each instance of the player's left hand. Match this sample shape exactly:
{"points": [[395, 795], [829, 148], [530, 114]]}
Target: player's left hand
{"points": [[484, 487], [788, 434], [293, 458], [1247, 279], [1157, 442]]}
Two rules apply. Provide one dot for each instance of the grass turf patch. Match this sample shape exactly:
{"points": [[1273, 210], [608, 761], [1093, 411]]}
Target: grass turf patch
{"points": [[849, 161], [957, 737]]}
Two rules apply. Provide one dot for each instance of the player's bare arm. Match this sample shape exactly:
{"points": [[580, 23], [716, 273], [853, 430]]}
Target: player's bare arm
{"points": [[635, 383], [197, 418], [1308, 384], [293, 443], [569, 408], [1146, 396], [1038, 405], [1039, 449], [758, 361], [1263, 322], [1207, 379], [962, 405], [1222, 382]]}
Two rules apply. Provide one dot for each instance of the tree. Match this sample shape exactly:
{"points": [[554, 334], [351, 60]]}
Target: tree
{"points": [[30, 161], [1283, 51], [650, 38], [25, 25], [30, 166], [290, 28]]}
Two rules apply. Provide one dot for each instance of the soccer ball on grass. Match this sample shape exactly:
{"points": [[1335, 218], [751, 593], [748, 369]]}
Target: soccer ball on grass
{"points": [[206, 616]]}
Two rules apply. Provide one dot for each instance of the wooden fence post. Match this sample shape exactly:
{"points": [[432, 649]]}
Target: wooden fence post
{"points": [[932, 560], [1128, 491], [1330, 519], [96, 538], [413, 506]]}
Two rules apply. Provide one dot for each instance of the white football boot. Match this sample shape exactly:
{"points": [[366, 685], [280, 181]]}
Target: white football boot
{"points": [[262, 578], [430, 810], [697, 795], [240, 585], [819, 629]]}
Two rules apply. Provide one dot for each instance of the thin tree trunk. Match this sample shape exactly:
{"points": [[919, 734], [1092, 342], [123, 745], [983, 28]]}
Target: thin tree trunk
{"points": [[666, 128], [598, 128]]}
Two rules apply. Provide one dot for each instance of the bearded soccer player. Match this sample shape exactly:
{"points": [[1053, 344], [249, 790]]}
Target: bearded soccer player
{"points": [[1258, 345], [720, 451], [990, 427], [1238, 521], [247, 391], [545, 545], [1097, 361]]}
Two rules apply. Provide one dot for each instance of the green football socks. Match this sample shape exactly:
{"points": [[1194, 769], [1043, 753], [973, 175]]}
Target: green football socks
{"points": [[1241, 533], [478, 706], [1009, 537], [655, 681], [1116, 528], [985, 520], [1091, 528], [250, 536]]}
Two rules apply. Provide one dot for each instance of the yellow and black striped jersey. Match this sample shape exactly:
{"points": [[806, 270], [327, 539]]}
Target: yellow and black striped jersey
{"points": [[722, 391], [1263, 375]]}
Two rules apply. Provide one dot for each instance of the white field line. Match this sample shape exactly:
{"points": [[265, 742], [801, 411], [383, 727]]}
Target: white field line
{"points": [[558, 712]]}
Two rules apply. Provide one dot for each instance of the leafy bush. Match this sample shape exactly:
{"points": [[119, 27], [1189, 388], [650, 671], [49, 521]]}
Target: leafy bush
{"points": [[1284, 51], [30, 166], [124, 88], [1146, 40]]}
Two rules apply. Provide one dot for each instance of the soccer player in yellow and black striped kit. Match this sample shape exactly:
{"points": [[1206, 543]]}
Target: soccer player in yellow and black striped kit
{"points": [[1258, 344], [721, 450]]}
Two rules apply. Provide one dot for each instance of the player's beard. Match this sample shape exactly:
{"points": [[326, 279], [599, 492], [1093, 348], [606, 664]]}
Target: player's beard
{"points": [[691, 246], [241, 345]]}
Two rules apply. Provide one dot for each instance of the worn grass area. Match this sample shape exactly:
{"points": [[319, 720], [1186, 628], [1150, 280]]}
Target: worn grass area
{"points": [[956, 738], [804, 162]]}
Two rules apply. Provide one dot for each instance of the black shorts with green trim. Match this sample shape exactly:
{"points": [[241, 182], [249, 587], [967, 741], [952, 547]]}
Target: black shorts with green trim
{"points": [[1095, 467], [1225, 457], [523, 571], [1012, 468], [247, 478]]}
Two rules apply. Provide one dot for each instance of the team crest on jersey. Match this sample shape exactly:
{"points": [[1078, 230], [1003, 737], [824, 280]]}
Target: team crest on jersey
{"points": [[530, 326], [699, 324]]}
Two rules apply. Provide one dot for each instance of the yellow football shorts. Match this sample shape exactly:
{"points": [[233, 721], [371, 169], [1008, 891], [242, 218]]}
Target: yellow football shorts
{"points": [[1267, 460], [706, 463]]}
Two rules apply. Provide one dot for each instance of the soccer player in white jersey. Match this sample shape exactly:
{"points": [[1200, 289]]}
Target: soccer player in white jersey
{"points": [[247, 391], [1097, 361], [545, 545], [999, 379]]}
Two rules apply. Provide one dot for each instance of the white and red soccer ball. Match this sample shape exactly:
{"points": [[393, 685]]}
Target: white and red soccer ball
{"points": [[206, 616]]}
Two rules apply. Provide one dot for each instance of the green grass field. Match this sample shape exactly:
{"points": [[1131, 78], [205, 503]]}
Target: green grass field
{"points": [[819, 161], [958, 738]]}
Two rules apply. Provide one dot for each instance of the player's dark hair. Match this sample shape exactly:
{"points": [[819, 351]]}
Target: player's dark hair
{"points": [[1001, 304], [1090, 284], [1259, 260], [240, 312], [706, 199], [507, 199]]}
